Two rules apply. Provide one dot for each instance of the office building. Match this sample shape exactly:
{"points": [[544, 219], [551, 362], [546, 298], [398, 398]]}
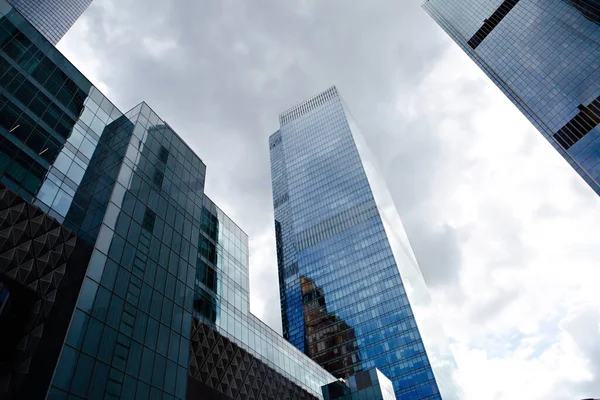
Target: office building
{"points": [[53, 18], [349, 281], [544, 55], [119, 278], [230, 343]]}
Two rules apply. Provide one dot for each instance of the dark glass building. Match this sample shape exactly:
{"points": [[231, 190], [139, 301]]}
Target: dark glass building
{"points": [[348, 278], [119, 278], [544, 55], [53, 18]]}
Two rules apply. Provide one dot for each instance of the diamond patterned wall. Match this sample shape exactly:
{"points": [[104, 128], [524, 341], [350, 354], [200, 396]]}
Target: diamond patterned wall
{"points": [[34, 250], [228, 369]]}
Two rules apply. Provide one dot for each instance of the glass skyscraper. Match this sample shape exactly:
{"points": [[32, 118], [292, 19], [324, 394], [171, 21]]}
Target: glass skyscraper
{"points": [[352, 295], [53, 18], [545, 56], [119, 278]]}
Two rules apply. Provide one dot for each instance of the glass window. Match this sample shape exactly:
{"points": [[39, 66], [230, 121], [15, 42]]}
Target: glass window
{"points": [[174, 346], [65, 368], [83, 373], [158, 374], [96, 266], [98, 382], [143, 391], [147, 365], [110, 274], [170, 377], [97, 125], [115, 312], [87, 295], [107, 345], [163, 339], [152, 333], [77, 329], [101, 304], [92, 337], [135, 356], [87, 148], [48, 192], [75, 173]]}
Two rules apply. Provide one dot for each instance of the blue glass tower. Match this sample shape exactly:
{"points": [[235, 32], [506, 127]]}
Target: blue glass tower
{"points": [[544, 55], [53, 18], [352, 295]]}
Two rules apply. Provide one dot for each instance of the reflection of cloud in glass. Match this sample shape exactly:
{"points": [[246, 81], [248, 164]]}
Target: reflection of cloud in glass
{"points": [[425, 312], [334, 245]]}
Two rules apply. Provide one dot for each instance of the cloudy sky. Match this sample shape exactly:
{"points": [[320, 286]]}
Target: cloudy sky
{"points": [[503, 228]]}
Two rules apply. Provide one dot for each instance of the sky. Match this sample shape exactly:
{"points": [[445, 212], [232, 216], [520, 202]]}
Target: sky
{"points": [[503, 228]]}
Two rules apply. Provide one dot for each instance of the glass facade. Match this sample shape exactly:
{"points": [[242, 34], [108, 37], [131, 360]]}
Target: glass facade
{"points": [[51, 121], [111, 256], [347, 274], [544, 55], [129, 336], [222, 302], [53, 18]]}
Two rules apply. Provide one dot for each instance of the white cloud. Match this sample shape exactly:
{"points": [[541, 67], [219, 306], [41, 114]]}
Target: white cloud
{"points": [[522, 270], [158, 48]]}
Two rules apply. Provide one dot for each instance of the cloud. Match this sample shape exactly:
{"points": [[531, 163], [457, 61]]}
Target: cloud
{"points": [[504, 230]]}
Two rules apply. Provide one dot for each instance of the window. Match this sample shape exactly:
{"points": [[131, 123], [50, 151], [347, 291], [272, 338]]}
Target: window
{"points": [[205, 304], [163, 154], [158, 177], [149, 220], [207, 275]]}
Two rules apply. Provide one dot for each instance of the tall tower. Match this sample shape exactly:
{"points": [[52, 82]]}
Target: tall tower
{"points": [[53, 18], [543, 54], [349, 281]]}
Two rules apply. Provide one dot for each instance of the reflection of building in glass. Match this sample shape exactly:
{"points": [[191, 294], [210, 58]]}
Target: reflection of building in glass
{"points": [[118, 277], [336, 224], [543, 54], [329, 340], [53, 18], [230, 332]]}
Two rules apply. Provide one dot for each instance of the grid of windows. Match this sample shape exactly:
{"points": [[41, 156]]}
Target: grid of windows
{"points": [[151, 249], [130, 333], [342, 295], [51, 119], [544, 56], [52, 18], [222, 301]]}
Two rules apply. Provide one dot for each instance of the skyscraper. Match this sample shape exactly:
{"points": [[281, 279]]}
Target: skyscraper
{"points": [[349, 281], [544, 55], [119, 278], [53, 18]]}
